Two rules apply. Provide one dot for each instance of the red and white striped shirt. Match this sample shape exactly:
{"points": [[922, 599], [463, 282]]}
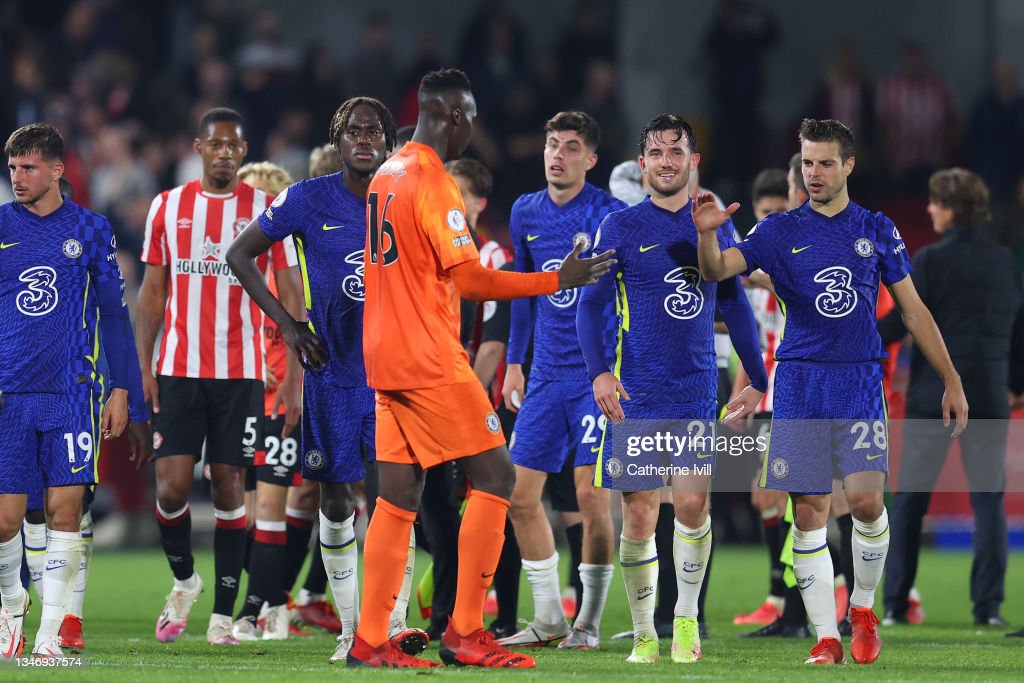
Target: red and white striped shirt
{"points": [[212, 329], [771, 322]]}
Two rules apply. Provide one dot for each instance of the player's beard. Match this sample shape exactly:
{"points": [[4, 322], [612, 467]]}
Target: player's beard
{"points": [[679, 184], [34, 199]]}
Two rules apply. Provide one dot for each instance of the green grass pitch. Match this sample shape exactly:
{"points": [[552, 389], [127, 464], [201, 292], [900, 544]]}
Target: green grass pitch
{"points": [[127, 590]]}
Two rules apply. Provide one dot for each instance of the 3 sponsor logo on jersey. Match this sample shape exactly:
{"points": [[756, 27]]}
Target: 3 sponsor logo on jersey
{"points": [[72, 248], [688, 300], [563, 298]]}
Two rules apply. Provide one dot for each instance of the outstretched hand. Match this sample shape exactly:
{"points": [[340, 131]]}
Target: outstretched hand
{"points": [[576, 271], [706, 214]]}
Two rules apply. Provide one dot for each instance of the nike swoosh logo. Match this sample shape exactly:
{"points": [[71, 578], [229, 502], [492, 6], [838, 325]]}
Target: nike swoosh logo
{"points": [[4, 245], [530, 238], [595, 449], [486, 576], [876, 457], [643, 248], [644, 597], [797, 251], [76, 470], [691, 571], [331, 227], [706, 455], [870, 559]]}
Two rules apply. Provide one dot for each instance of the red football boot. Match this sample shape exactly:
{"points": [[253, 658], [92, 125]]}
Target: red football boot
{"points": [[865, 644], [827, 651], [479, 649], [387, 656]]}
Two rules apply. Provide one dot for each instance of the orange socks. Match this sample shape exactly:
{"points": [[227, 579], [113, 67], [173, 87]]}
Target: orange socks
{"points": [[384, 567], [480, 539]]}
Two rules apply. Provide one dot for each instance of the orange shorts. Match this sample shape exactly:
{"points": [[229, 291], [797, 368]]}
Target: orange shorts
{"points": [[427, 427]]}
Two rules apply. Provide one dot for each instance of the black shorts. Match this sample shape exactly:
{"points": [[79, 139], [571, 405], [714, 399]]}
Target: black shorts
{"points": [[226, 414], [561, 487], [279, 463]]}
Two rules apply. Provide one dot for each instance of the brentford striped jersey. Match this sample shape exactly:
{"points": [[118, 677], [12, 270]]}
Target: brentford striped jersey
{"points": [[212, 329], [771, 321]]}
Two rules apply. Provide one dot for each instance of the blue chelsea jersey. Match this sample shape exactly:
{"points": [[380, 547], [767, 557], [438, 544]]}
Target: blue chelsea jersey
{"points": [[328, 224], [826, 271]]}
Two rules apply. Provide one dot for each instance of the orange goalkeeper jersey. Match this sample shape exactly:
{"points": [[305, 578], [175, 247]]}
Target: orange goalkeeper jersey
{"points": [[416, 233]]}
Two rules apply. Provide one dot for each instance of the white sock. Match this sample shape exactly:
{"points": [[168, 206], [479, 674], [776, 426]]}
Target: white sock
{"points": [[812, 566], [639, 561], [870, 546], [63, 558], [547, 597], [35, 554], [10, 571], [401, 611], [76, 605], [691, 549], [338, 543], [595, 579]]}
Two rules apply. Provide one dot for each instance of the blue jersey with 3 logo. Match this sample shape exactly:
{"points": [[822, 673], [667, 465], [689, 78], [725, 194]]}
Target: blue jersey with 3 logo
{"points": [[665, 352], [826, 271], [328, 224]]}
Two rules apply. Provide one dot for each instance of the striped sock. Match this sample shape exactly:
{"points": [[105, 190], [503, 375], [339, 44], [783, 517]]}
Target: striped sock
{"points": [[870, 546], [690, 551], [812, 565], [338, 545], [639, 561], [176, 538]]}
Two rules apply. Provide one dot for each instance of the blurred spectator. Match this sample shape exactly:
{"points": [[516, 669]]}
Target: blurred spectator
{"points": [[27, 96], [587, 39], [1008, 227], [600, 99], [916, 122], [287, 144], [426, 59], [845, 94], [120, 182], [493, 53], [996, 137], [741, 33], [374, 66], [266, 49], [319, 88]]}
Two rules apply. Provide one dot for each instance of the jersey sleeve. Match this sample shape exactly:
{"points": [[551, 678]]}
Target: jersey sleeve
{"points": [[894, 263], [593, 312], [758, 248], [442, 216], [154, 245], [284, 215]]}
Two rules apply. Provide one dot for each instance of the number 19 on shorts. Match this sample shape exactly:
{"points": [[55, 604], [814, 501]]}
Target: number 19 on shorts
{"points": [[83, 443]]}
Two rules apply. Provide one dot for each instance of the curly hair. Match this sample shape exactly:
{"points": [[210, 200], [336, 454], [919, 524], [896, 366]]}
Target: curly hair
{"points": [[273, 178]]}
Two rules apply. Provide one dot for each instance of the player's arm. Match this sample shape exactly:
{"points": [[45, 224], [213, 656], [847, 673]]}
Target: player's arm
{"points": [[149, 316], [739, 319], [241, 257], [493, 340], [522, 312], [918, 320], [289, 390], [591, 324], [715, 264]]}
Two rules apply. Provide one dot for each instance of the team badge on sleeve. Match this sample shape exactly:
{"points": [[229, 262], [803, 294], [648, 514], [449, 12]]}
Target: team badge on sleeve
{"points": [[279, 199], [456, 220]]}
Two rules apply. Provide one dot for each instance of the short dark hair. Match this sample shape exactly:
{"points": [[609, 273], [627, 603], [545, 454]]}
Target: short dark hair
{"points": [[218, 115], [829, 130], [664, 122], [796, 165], [579, 121], [963, 192], [771, 182], [36, 137], [480, 180], [445, 80], [344, 112]]}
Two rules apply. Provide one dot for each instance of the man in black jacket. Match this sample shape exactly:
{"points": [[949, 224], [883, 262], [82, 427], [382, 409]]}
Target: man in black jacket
{"points": [[973, 289]]}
